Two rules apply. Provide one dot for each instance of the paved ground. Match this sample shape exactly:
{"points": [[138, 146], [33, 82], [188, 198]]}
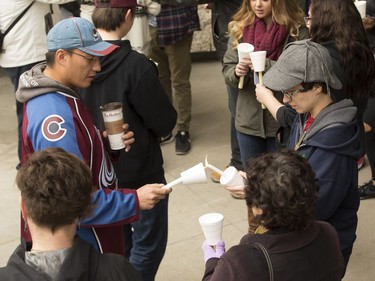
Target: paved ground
{"points": [[210, 136]]}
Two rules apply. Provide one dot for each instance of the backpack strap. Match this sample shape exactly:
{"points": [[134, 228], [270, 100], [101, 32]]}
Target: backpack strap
{"points": [[268, 259], [17, 19]]}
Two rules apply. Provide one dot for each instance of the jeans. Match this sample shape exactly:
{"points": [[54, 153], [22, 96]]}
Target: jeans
{"points": [[174, 64], [252, 146], [146, 240], [14, 74], [235, 148]]}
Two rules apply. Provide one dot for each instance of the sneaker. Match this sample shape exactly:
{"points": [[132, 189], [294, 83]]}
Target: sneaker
{"points": [[166, 139], [367, 190], [360, 162], [183, 142]]}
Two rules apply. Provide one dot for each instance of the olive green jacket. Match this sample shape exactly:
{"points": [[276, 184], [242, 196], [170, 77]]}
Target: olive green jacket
{"points": [[251, 119]]}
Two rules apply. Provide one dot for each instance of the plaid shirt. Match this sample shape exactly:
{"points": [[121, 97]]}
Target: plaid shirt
{"points": [[174, 23]]}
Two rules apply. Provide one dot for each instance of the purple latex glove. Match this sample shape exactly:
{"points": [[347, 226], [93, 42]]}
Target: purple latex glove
{"points": [[210, 252]]}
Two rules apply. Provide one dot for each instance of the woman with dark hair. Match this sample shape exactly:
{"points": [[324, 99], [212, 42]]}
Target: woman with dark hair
{"points": [[367, 190], [337, 25], [281, 191]]}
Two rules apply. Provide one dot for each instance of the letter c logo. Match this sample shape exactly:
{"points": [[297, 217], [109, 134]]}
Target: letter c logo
{"points": [[51, 128]]}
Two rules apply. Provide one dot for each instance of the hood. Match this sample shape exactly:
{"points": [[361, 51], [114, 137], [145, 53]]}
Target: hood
{"points": [[110, 63], [336, 129], [34, 83]]}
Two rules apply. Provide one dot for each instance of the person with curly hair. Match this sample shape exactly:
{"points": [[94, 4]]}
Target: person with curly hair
{"points": [[281, 190]]}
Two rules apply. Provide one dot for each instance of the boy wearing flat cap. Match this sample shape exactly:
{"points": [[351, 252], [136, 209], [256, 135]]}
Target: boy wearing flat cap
{"points": [[327, 134], [54, 116], [132, 79]]}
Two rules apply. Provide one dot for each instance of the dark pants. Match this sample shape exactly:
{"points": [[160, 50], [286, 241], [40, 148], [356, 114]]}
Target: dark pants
{"points": [[146, 240], [14, 74], [369, 118], [235, 148], [252, 147]]}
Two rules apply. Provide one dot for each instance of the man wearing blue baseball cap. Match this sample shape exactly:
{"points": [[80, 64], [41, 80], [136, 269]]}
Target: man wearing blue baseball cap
{"points": [[54, 116]]}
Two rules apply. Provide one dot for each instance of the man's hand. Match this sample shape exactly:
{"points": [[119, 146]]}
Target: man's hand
{"points": [[151, 194], [127, 137]]}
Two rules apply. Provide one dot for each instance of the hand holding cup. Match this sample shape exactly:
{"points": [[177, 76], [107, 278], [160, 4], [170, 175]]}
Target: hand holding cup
{"points": [[116, 130]]}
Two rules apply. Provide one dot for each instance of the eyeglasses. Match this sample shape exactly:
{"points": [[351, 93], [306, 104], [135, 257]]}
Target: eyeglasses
{"points": [[307, 19], [91, 59], [290, 94]]}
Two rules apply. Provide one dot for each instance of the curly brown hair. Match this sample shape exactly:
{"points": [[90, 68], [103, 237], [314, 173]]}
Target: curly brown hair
{"points": [[283, 185], [56, 187]]}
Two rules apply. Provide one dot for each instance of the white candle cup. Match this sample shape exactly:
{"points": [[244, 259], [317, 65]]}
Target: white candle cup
{"points": [[231, 177], [259, 63], [113, 122], [194, 175], [259, 60], [212, 226], [243, 50], [361, 7]]}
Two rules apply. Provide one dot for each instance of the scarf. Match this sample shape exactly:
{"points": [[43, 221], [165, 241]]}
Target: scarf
{"points": [[271, 40]]}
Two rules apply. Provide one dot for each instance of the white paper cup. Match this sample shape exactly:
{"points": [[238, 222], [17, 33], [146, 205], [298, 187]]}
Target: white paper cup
{"points": [[231, 177], [195, 174], [361, 6], [212, 226], [244, 49], [113, 121], [259, 60]]}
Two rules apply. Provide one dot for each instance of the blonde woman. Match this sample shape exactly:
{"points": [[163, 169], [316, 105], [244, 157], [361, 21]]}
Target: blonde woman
{"points": [[268, 26]]}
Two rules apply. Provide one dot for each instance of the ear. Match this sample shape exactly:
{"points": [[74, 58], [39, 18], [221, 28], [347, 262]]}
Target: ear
{"points": [[317, 89], [129, 16], [60, 56], [257, 211]]}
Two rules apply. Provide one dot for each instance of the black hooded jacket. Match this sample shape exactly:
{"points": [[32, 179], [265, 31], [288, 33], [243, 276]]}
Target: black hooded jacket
{"points": [[131, 78]]}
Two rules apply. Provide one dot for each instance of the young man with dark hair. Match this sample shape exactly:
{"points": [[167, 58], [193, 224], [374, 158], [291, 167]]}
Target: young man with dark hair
{"points": [[325, 132], [56, 189], [132, 79]]}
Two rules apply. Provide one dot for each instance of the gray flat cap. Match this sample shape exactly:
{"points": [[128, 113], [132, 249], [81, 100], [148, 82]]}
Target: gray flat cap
{"points": [[301, 61]]}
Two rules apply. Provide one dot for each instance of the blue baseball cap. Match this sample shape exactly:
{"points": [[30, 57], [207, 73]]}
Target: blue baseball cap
{"points": [[78, 33]]}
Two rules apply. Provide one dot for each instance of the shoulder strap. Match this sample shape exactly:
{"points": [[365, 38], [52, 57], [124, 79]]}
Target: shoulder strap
{"points": [[268, 259], [17, 19]]}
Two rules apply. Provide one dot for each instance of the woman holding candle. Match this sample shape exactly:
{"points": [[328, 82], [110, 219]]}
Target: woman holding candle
{"points": [[268, 26], [281, 190]]}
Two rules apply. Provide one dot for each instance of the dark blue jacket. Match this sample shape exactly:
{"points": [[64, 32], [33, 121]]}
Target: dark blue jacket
{"points": [[332, 145]]}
